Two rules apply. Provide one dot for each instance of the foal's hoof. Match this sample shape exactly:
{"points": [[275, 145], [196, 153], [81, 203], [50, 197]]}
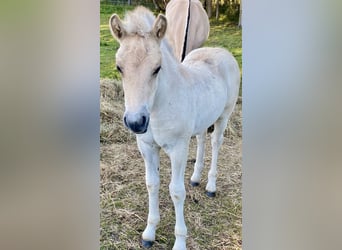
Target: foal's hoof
{"points": [[210, 194], [194, 183], [211, 129], [146, 243]]}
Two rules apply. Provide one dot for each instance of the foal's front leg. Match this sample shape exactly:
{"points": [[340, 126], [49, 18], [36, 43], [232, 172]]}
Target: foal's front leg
{"points": [[150, 153], [178, 155]]}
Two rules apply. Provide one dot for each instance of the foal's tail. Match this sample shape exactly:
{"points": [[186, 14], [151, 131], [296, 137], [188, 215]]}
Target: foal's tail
{"points": [[185, 41]]}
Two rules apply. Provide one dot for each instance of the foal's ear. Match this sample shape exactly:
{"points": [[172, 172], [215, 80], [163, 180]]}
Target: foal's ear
{"points": [[159, 27], [116, 27]]}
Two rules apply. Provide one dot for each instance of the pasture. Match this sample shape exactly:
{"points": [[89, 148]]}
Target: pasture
{"points": [[222, 34], [213, 223]]}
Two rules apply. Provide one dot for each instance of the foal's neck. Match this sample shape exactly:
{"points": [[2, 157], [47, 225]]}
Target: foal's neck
{"points": [[169, 78], [170, 64]]}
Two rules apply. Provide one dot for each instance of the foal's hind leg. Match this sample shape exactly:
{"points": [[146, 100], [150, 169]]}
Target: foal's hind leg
{"points": [[199, 164], [216, 142]]}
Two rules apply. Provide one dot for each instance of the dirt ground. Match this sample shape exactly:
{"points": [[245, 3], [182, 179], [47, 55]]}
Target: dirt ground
{"points": [[213, 223]]}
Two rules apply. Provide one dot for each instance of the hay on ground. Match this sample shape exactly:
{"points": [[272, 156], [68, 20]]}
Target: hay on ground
{"points": [[213, 223]]}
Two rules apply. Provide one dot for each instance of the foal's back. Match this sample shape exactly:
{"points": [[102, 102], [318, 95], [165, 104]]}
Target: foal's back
{"points": [[219, 63], [214, 78]]}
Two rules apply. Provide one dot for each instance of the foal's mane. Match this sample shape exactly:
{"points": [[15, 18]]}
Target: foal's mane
{"points": [[139, 21]]}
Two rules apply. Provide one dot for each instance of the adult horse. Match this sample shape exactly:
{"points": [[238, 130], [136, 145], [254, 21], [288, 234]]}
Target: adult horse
{"points": [[167, 102], [188, 26]]}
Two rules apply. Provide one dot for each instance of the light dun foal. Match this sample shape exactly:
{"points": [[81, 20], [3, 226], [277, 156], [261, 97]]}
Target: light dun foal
{"points": [[188, 26], [167, 102]]}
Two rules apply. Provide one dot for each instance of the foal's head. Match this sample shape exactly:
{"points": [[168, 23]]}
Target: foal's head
{"points": [[139, 61]]}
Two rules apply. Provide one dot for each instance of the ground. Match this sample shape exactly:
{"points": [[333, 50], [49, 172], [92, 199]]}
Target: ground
{"points": [[213, 223]]}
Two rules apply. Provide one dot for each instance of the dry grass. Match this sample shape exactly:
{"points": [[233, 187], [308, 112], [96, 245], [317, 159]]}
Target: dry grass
{"points": [[213, 223]]}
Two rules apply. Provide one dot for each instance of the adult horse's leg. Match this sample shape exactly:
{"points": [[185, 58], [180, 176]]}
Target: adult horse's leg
{"points": [[216, 142], [178, 155], [199, 164], [150, 153]]}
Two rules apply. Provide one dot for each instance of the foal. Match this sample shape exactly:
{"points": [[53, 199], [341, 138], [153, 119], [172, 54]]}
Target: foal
{"points": [[188, 26], [167, 102]]}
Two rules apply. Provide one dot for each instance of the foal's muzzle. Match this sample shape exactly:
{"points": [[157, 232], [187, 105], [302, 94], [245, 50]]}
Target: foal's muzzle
{"points": [[137, 122]]}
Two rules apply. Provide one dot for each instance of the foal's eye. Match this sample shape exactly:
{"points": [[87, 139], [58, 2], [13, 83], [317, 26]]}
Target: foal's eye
{"points": [[155, 72], [119, 69]]}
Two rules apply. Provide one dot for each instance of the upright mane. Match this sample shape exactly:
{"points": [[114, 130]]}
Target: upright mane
{"points": [[139, 21]]}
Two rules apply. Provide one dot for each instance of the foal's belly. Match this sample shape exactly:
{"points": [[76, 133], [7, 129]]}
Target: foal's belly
{"points": [[204, 122], [208, 112]]}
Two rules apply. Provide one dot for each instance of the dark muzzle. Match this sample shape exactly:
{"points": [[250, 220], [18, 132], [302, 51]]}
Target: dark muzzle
{"points": [[137, 124]]}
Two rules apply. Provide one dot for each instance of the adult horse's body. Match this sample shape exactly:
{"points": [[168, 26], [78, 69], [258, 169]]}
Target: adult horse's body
{"points": [[188, 26], [167, 102]]}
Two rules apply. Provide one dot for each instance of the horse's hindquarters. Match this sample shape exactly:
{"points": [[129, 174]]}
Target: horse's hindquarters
{"points": [[214, 84]]}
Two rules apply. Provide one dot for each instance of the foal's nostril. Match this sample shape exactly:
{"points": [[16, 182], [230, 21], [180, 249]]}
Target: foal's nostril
{"points": [[125, 121], [143, 120]]}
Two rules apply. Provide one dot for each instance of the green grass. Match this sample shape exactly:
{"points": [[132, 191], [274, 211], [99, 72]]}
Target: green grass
{"points": [[108, 45], [227, 36], [222, 34]]}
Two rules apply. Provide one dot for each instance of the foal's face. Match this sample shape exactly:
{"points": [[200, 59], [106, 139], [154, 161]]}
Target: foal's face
{"points": [[139, 62]]}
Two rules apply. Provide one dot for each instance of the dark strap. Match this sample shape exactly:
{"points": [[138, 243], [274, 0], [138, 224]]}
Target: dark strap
{"points": [[186, 33]]}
